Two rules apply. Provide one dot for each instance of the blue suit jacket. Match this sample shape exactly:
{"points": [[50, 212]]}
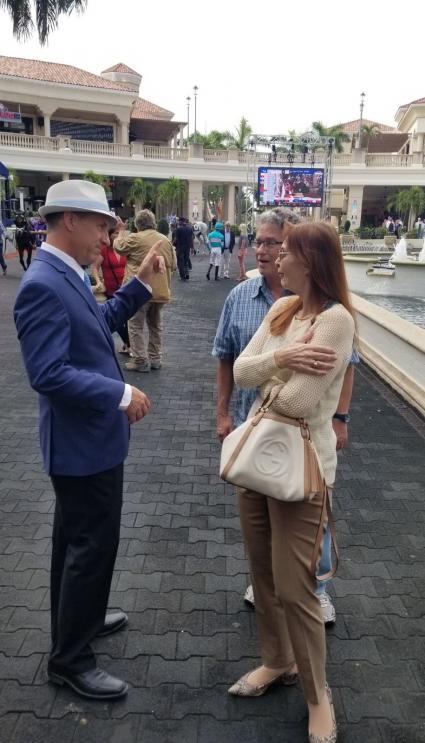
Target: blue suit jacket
{"points": [[69, 355]]}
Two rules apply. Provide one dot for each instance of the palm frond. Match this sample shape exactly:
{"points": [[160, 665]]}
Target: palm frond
{"points": [[20, 13]]}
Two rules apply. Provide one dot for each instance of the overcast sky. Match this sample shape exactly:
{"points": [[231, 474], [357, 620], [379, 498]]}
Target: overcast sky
{"points": [[280, 64]]}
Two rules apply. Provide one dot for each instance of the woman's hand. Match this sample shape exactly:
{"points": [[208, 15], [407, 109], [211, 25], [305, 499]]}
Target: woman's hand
{"points": [[306, 358]]}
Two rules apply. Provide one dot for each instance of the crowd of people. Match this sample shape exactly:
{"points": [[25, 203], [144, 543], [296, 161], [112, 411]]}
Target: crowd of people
{"points": [[393, 226], [288, 332], [29, 233]]}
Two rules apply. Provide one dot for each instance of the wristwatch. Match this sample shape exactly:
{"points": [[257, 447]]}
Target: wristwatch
{"points": [[344, 417]]}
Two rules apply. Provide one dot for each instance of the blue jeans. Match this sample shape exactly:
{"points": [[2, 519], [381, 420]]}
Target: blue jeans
{"points": [[325, 563]]}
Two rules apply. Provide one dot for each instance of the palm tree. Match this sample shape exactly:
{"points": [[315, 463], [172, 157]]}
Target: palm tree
{"points": [[214, 140], [368, 132], [215, 199], [46, 13], [142, 194], [93, 177], [240, 139], [337, 132], [171, 193], [408, 201], [14, 181]]}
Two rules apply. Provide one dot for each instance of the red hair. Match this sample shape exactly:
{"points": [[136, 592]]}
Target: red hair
{"points": [[318, 247]]}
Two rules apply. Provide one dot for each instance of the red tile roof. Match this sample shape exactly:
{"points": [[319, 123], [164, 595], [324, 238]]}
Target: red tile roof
{"points": [[387, 142], [146, 110], [406, 105], [33, 69], [352, 127], [120, 67]]}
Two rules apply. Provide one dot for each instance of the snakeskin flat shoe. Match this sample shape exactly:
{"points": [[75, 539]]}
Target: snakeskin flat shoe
{"points": [[332, 736], [243, 688]]}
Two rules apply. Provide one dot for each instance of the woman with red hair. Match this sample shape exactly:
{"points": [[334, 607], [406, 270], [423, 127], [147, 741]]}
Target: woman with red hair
{"points": [[280, 536]]}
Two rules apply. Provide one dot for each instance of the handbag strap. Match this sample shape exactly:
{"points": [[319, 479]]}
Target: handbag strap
{"points": [[325, 511]]}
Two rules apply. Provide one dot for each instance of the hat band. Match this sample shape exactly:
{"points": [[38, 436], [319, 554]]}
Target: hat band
{"points": [[88, 206]]}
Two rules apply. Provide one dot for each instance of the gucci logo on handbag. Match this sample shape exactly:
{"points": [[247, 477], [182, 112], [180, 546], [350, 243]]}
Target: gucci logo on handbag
{"points": [[272, 459]]}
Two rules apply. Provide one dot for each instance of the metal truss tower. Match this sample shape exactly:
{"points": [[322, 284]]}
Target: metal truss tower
{"points": [[306, 150]]}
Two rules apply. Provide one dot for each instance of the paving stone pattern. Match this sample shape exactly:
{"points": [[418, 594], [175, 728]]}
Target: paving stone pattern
{"points": [[180, 573]]}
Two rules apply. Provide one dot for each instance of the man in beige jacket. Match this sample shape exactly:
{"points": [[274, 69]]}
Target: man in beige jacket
{"points": [[135, 247]]}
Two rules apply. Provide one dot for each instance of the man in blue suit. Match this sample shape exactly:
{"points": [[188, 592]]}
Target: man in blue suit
{"points": [[85, 412]]}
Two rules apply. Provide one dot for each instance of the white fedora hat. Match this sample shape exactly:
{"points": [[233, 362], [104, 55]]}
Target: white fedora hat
{"points": [[77, 196]]}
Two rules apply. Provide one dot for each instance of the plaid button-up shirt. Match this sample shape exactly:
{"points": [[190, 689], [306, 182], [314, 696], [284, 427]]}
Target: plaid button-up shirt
{"points": [[244, 310]]}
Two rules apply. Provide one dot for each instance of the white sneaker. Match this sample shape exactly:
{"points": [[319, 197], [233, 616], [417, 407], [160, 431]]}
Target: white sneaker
{"points": [[328, 609], [249, 596]]}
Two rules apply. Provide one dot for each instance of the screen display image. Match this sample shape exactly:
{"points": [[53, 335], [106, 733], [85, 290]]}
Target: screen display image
{"points": [[290, 186]]}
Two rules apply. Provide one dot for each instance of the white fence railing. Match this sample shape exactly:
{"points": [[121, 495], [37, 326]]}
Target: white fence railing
{"points": [[164, 153], [102, 149], [389, 161], [341, 159], [28, 141], [218, 156], [152, 152]]}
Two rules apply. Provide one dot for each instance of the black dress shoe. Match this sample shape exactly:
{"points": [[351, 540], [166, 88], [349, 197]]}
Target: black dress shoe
{"points": [[113, 622], [93, 684]]}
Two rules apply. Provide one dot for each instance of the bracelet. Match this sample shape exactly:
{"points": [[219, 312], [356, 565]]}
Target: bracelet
{"points": [[343, 417]]}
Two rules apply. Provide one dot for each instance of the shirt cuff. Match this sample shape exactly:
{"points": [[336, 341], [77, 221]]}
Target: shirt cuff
{"points": [[147, 286], [126, 398]]}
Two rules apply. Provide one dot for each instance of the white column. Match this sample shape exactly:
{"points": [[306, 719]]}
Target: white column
{"points": [[194, 200], [355, 201], [46, 125], [229, 201], [124, 132]]}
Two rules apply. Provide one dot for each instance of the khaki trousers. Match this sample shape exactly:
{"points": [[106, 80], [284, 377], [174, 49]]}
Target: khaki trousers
{"points": [[225, 264], [279, 539], [151, 313]]}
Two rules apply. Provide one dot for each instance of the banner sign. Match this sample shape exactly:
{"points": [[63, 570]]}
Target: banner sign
{"points": [[6, 115]]}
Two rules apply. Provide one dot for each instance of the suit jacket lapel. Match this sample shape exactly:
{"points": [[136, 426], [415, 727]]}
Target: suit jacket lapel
{"points": [[88, 297], [72, 277]]}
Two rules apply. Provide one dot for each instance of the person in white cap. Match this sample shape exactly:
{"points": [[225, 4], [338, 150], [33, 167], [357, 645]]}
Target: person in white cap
{"points": [[85, 412]]}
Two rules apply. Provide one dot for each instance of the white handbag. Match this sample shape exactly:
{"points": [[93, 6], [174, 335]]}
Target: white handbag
{"points": [[272, 454]]}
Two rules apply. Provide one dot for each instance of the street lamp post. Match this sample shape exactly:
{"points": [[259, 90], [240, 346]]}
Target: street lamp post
{"points": [[188, 106], [195, 94], [359, 138]]}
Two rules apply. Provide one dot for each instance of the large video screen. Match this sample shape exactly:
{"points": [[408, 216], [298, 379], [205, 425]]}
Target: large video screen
{"points": [[290, 186]]}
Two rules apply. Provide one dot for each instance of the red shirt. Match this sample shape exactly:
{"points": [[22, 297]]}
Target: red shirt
{"points": [[113, 267]]}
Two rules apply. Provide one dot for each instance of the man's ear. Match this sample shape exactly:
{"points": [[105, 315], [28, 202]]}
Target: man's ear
{"points": [[70, 221]]}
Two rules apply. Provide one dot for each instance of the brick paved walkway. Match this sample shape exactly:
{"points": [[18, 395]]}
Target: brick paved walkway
{"points": [[181, 570]]}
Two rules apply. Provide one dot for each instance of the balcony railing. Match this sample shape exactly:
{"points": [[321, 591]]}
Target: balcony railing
{"points": [[150, 152], [217, 156], [102, 149], [388, 161], [28, 141], [164, 153]]}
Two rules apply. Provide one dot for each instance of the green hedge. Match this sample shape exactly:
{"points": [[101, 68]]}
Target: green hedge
{"points": [[370, 233]]}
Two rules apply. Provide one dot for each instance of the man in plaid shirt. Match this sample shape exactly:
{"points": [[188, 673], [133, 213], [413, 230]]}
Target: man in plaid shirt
{"points": [[242, 314]]}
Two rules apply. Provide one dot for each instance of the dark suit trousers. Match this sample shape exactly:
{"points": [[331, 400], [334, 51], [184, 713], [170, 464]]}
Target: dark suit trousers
{"points": [[183, 260], [86, 533]]}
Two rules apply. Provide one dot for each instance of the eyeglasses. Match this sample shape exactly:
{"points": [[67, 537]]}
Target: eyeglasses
{"points": [[266, 243]]}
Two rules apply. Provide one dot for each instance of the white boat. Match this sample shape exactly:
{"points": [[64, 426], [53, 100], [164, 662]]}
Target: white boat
{"points": [[383, 267]]}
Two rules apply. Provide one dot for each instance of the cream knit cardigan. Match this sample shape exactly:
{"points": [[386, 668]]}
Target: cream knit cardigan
{"points": [[303, 396]]}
